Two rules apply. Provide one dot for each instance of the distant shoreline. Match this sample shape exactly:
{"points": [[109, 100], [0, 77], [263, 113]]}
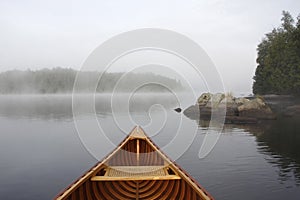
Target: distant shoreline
{"points": [[83, 93], [62, 80]]}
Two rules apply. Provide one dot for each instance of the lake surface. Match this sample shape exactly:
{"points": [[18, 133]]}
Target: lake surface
{"points": [[42, 150]]}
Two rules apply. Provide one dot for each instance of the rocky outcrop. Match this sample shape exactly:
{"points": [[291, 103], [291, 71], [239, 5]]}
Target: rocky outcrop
{"points": [[256, 108], [238, 110], [212, 100]]}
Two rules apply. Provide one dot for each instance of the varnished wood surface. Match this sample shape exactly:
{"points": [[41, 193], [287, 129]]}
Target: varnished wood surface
{"points": [[136, 169]]}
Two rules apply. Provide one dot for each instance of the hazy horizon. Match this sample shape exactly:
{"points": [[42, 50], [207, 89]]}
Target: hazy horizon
{"points": [[49, 34]]}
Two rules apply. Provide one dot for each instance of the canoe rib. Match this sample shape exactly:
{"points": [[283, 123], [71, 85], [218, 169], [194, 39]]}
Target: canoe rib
{"points": [[136, 169]]}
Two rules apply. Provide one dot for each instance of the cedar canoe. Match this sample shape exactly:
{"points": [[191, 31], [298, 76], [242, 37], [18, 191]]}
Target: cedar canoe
{"points": [[136, 169]]}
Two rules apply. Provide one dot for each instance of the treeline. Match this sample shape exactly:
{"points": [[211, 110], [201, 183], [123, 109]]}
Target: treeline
{"points": [[61, 80], [278, 70]]}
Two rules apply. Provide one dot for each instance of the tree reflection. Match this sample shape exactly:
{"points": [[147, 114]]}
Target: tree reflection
{"points": [[279, 139]]}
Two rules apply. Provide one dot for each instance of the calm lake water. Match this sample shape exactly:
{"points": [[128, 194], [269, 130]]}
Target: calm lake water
{"points": [[41, 151]]}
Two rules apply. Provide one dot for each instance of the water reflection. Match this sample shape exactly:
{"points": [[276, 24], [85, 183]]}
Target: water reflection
{"points": [[59, 107], [48, 144], [278, 139], [281, 140], [44, 107], [259, 160]]}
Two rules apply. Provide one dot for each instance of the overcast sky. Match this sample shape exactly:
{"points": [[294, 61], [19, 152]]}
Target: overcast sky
{"points": [[37, 34]]}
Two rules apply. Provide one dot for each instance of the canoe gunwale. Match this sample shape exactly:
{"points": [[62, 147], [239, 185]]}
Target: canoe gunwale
{"points": [[168, 163]]}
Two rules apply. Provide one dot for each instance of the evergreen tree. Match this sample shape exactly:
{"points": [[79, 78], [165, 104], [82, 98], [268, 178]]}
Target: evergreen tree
{"points": [[278, 70], [61, 80]]}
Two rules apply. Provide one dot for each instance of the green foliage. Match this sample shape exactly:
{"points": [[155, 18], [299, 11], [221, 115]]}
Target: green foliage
{"points": [[61, 80], [278, 70]]}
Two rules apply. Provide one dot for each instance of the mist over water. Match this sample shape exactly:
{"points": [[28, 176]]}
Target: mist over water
{"points": [[59, 106], [41, 152]]}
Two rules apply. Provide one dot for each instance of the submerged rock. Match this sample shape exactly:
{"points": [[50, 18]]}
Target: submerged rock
{"points": [[192, 112]]}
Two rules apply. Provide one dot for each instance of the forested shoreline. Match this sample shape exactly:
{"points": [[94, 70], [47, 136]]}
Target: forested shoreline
{"points": [[278, 70], [61, 80]]}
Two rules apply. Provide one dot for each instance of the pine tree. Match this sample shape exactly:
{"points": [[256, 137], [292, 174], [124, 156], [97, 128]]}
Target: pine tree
{"points": [[278, 70]]}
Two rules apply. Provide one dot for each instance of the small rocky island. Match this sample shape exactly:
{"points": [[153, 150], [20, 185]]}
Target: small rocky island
{"points": [[239, 110]]}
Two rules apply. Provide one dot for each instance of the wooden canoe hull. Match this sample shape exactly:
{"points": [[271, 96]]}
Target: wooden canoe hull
{"points": [[146, 189], [136, 169]]}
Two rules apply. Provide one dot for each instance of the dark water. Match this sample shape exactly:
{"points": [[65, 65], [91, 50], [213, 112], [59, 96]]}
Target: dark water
{"points": [[41, 152]]}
